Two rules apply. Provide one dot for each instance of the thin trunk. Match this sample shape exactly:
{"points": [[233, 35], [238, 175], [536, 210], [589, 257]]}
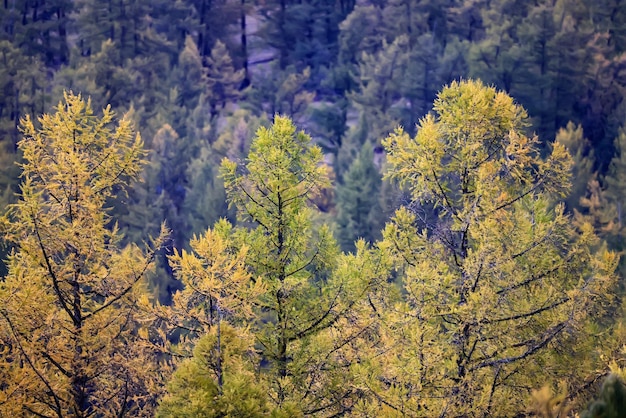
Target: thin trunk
{"points": [[220, 376], [244, 44], [282, 314], [78, 381]]}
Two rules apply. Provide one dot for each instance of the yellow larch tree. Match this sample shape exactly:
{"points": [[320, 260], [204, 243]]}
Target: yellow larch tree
{"points": [[68, 306], [498, 289]]}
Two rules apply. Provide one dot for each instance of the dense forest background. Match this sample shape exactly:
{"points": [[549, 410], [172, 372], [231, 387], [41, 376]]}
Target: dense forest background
{"points": [[199, 77]]}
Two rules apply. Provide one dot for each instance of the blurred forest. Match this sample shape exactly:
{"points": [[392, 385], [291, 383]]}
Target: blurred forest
{"points": [[198, 78]]}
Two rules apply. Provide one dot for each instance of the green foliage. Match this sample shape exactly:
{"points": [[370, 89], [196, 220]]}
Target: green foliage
{"points": [[39, 29], [285, 94], [359, 213], [615, 179], [22, 80], [582, 158], [303, 33], [222, 78], [279, 281], [612, 401], [195, 389], [380, 88]]}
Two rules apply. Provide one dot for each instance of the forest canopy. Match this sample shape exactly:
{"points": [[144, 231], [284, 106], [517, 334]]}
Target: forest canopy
{"points": [[390, 208]]}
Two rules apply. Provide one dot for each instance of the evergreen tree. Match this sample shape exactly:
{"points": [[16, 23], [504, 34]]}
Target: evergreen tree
{"points": [[380, 88], [216, 20], [285, 94], [304, 34], [22, 81], [102, 76], [38, 28], [223, 81], [612, 402], [359, 214], [360, 33], [615, 180], [582, 158]]}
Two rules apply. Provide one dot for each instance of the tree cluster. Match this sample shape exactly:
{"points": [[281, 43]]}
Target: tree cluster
{"points": [[478, 291]]}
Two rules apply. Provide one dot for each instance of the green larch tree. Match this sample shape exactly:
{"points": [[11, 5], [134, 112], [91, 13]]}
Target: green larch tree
{"points": [[204, 388], [278, 284], [68, 306], [498, 290], [271, 192]]}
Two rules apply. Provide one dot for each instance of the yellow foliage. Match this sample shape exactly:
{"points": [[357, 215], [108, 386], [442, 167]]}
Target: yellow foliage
{"points": [[498, 291], [68, 304]]}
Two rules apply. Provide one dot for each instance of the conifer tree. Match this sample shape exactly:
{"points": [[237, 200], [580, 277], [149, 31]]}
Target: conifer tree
{"points": [[282, 170], [204, 388], [22, 80], [501, 280], [68, 304], [279, 284], [359, 213], [380, 87], [616, 179], [582, 161], [612, 400], [223, 80]]}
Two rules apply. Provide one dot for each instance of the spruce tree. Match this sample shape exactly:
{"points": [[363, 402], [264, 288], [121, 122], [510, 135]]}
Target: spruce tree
{"points": [[359, 213], [279, 283]]}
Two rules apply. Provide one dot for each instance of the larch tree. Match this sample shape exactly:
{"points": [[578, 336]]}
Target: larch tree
{"points": [[202, 387], [209, 315], [68, 305], [310, 292], [277, 286], [498, 290]]}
